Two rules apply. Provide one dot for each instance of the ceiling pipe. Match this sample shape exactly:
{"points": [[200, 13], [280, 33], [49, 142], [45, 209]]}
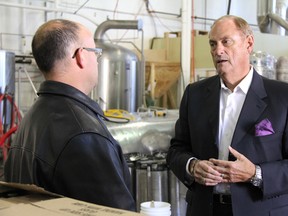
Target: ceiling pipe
{"points": [[229, 7], [159, 12], [279, 20], [116, 24]]}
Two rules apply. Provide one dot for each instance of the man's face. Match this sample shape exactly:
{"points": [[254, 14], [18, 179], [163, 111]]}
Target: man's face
{"points": [[230, 48], [91, 58]]}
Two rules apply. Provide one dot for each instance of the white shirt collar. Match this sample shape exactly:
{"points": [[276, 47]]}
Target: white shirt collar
{"points": [[244, 84]]}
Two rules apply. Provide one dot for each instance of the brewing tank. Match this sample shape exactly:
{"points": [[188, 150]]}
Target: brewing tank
{"points": [[120, 73], [118, 78]]}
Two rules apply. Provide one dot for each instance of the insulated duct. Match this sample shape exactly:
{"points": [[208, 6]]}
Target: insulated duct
{"points": [[271, 16]]}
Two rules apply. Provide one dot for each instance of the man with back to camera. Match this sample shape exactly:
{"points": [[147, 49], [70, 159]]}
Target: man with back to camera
{"points": [[230, 146], [62, 144]]}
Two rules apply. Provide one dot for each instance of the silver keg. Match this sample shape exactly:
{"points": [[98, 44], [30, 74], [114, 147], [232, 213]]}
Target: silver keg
{"points": [[151, 181], [177, 194]]}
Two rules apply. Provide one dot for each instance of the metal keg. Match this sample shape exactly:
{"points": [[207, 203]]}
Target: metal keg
{"points": [[131, 159], [151, 180], [177, 194]]}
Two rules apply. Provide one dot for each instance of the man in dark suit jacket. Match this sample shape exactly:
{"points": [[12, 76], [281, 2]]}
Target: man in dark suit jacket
{"points": [[231, 146]]}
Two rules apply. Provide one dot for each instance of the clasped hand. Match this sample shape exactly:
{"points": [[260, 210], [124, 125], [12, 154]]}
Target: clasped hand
{"points": [[213, 171]]}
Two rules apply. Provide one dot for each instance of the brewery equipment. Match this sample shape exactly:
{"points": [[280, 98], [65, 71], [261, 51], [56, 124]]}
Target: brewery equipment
{"points": [[145, 142], [151, 180], [119, 73], [271, 16]]}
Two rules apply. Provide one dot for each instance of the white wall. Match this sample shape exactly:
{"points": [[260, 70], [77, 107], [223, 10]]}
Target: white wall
{"points": [[18, 23], [19, 19], [213, 9]]}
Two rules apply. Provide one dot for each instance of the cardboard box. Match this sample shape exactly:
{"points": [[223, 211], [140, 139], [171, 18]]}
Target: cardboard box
{"points": [[30, 200]]}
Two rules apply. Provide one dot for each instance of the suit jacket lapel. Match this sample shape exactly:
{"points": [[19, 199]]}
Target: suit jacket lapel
{"points": [[252, 108], [212, 105]]}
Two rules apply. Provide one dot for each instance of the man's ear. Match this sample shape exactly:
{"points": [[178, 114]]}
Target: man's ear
{"points": [[250, 43], [79, 58]]}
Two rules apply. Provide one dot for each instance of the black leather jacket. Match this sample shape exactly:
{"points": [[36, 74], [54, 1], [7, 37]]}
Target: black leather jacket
{"points": [[63, 146]]}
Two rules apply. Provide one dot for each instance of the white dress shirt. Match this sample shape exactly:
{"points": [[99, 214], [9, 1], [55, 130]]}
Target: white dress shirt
{"points": [[230, 107]]}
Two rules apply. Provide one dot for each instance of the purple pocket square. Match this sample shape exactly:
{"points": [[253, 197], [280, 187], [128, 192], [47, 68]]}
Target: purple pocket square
{"points": [[264, 128]]}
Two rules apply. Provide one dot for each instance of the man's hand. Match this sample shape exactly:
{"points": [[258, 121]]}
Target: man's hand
{"points": [[204, 172], [240, 170]]}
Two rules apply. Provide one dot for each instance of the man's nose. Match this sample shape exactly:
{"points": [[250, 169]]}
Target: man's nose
{"points": [[218, 49]]}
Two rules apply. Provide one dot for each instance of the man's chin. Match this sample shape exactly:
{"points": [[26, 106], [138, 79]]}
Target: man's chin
{"points": [[222, 74], [221, 69]]}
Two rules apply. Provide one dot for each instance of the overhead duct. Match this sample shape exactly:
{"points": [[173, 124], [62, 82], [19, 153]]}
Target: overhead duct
{"points": [[271, 16]]}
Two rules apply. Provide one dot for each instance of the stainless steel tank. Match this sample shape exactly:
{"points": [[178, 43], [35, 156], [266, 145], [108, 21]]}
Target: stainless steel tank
{"points": [[117, 78], [119, 73]]}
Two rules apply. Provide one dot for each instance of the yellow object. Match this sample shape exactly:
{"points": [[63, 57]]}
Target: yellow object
{"points": [[160, 113], [118, 113], [153, 111]]}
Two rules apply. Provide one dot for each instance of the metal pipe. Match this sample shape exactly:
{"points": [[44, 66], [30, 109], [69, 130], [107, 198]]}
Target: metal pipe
{"points": [[279, 20], [159, 12], [116, 24], [271, 16], [229, 7]]}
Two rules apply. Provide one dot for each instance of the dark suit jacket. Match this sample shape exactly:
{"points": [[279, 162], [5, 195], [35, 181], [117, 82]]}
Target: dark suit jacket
{"points": [[196, 133]]}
